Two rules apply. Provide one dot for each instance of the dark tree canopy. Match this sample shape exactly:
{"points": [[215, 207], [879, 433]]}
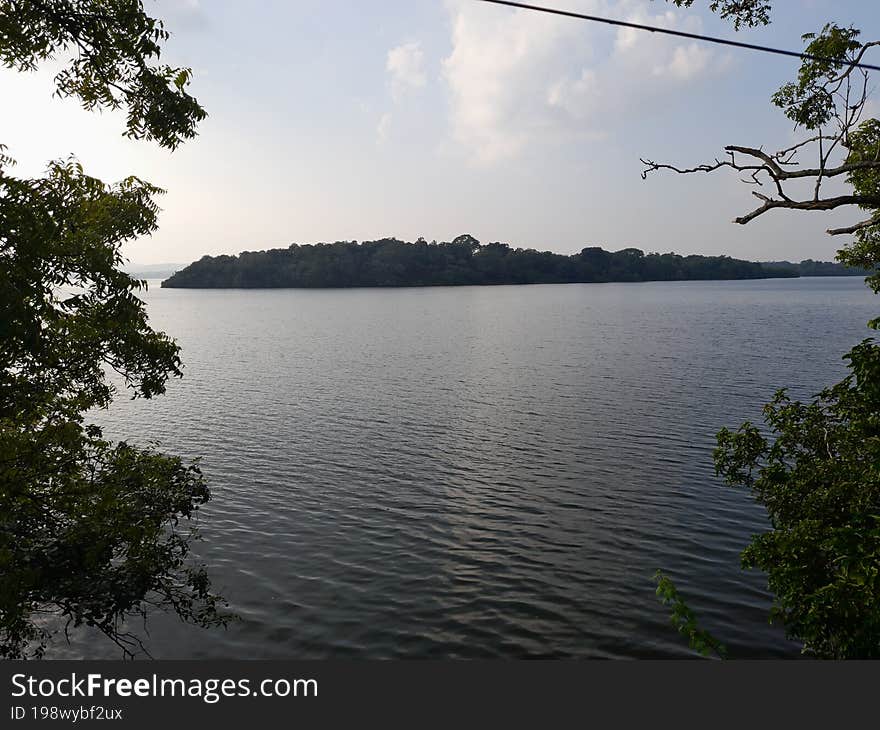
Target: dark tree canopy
{"points": [[93, 532], [390, 262], [68, 309]]}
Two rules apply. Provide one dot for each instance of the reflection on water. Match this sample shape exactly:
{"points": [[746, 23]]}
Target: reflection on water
{"points": [[479, 471]]}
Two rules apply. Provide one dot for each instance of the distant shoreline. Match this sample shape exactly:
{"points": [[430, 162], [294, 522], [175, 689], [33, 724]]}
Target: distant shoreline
{"points": [[390, 263]]}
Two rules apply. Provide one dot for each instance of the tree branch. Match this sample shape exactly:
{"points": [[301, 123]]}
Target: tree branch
{"points": [[826, 204], [772, 163], [854, 228]]}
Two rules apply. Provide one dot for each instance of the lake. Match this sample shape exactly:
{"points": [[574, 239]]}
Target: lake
{"points": [[479, 471]]}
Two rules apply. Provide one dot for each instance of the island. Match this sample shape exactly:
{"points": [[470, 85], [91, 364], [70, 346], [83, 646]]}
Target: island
{"points": [[464, 261]]}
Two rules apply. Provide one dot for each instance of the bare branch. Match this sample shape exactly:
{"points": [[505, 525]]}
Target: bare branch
{"points": [[651, 166], [784, 156], [852, 229], [838, 150], [772, 164], [826, 204], [856, 60]]}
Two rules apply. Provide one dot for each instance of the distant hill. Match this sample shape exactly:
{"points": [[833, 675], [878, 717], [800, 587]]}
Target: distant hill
{"points": [[153, 271], [808, 267], [390, 262]]}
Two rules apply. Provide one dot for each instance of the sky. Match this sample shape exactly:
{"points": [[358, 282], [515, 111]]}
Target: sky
{"points": [[349, 120]]}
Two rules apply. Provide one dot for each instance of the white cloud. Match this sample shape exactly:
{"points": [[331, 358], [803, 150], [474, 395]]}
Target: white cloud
{"points": [[687, 62], [518, 77], [405, 64]]}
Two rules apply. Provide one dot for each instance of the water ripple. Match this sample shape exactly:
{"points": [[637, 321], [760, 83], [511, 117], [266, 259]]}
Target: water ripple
{"points": [[479, 472]]}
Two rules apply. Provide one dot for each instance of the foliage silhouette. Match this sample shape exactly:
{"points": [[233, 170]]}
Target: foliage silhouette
{"points": [[92, 532], [815, 467], [390, 262]]}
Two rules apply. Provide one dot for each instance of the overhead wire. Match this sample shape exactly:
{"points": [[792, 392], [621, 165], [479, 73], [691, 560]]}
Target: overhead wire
{"points": [[684, 34]]}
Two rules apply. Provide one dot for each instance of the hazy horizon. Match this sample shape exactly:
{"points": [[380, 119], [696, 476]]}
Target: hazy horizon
{"points": [[162, 265]]}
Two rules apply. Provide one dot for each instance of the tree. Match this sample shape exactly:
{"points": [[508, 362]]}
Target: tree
{"points": [[816, 466], [818, 476], [116, 43], [465, 261], [92, 532], [828, 102]]}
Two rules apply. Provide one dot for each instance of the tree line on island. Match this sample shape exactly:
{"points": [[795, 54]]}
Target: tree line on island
{"points": [[391, 262]]}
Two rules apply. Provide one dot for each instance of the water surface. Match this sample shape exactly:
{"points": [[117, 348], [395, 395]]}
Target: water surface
{"points": [[479, 471]]}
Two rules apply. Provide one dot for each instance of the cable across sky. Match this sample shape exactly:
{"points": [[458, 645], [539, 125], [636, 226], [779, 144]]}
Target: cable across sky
{"points": [[682, 34]]}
